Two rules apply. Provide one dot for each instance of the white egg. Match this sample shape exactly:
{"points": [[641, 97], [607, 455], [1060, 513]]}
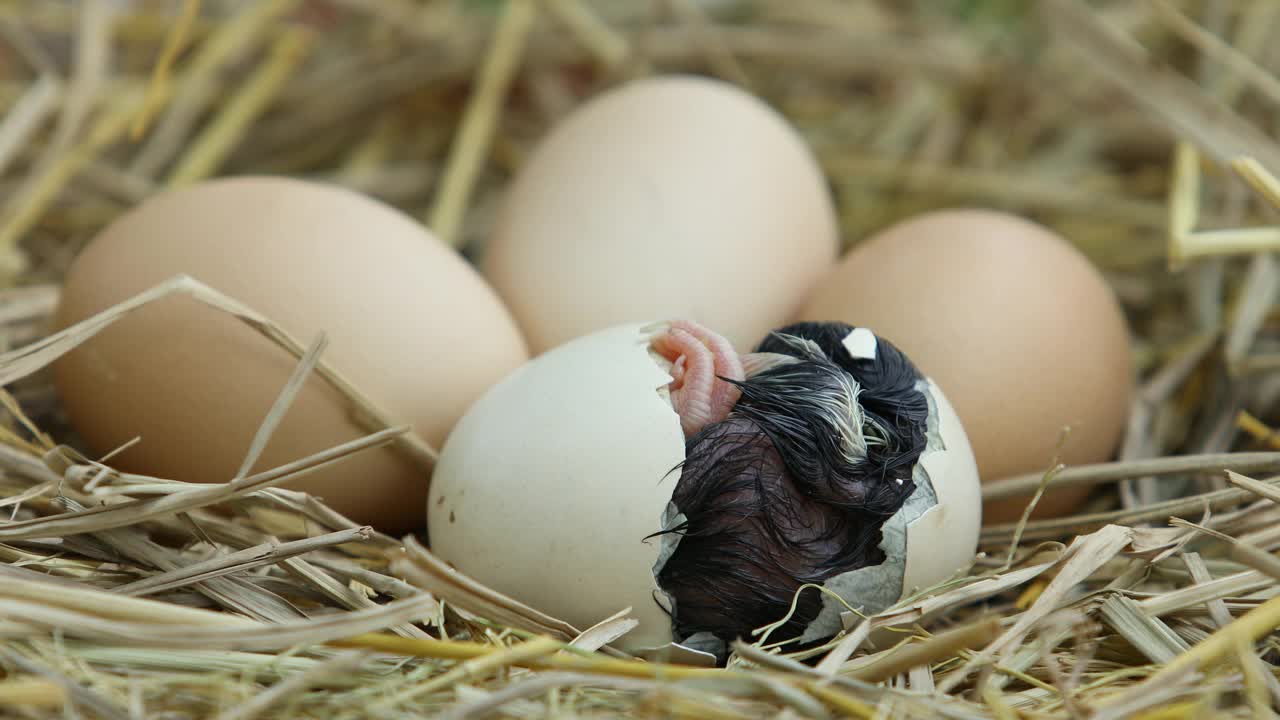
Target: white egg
{"points": [[552, 486]]}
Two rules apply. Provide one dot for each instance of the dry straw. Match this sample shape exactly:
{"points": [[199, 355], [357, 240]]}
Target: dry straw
{"points": [[1143, 131]]}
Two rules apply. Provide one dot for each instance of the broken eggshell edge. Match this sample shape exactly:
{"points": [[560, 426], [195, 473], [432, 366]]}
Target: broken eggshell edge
{"points": [[595, 517]]}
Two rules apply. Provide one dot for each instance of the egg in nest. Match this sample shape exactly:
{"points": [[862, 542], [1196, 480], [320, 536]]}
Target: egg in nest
{"points": [[663, 197], [410, 322], [652, 467]]}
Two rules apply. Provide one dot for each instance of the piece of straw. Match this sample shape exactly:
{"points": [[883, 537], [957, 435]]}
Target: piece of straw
{"points": [[211, 147], [471, 144], [160, 87]]}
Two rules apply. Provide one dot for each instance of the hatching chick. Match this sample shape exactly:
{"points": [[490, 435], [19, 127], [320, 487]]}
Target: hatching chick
{"points": [[788, 476]]}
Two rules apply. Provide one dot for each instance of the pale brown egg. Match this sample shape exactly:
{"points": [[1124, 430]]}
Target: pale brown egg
{"points": [[673, 196], [1016, 326], [410, 323]]}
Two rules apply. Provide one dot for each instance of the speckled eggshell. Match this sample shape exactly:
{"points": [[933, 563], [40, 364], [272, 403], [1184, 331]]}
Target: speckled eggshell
{"points": [[1014, 323], [409, 323], [674, 196]]}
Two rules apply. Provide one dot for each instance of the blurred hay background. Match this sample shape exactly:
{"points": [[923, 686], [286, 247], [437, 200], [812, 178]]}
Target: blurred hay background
{"points": [[1116, 123]]}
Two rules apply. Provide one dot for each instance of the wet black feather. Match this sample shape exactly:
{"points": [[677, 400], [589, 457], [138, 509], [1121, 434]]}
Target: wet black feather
{"points": [[770, 500]]}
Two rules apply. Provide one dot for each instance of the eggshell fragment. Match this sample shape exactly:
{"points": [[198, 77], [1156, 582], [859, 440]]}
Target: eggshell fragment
{"points": [[944, 539], [409, 322], [673, 196], [1014, 323]]}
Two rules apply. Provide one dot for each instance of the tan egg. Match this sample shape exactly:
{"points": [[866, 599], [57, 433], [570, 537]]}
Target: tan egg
{"points": [[673, 196], [1015, 324], [409, 323]]}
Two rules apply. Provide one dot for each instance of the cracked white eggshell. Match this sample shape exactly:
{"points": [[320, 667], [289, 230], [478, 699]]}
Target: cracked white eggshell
{"points": [[945, 538], [549, 485]]}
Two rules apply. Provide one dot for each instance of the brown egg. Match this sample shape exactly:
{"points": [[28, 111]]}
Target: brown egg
{"points": [[675, 196], [1014, 324], [410, 323]]}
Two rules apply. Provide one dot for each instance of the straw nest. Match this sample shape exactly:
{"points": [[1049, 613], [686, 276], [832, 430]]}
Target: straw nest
{"points": [[1140, 130]]}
